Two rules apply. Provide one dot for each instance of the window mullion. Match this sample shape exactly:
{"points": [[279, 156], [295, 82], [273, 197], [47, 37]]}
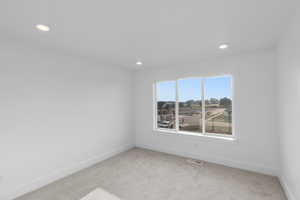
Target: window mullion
{"points": [[177, 108], [203, 104]]}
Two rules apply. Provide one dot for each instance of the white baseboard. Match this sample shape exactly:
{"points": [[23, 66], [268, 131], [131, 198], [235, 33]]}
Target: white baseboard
{"points": [[217, 160], [288, 192], [61, 173]]}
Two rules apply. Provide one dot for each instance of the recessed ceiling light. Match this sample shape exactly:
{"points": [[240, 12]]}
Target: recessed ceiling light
{"points": [[42, 27], [139, 63], [223, 46]]}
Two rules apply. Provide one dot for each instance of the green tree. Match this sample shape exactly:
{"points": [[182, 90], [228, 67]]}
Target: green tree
{"points": [[226, 102], [189, 103], [213, 101]]}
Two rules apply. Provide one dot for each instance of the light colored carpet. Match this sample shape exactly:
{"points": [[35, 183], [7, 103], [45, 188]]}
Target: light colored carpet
{"points": [[100, 194], [140, 174]]}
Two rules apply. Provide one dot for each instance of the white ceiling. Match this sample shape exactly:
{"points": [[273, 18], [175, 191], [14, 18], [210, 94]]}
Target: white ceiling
{"points": [[158, 32]]}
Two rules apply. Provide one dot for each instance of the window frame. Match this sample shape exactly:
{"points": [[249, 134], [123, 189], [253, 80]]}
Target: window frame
{"points": [[231, 137]]}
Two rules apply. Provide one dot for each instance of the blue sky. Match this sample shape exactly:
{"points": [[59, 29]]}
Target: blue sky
{"points": [[190, 88]]}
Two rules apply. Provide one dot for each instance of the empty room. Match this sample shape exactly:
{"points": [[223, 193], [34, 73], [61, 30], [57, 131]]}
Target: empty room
{"points": [[149, 100]]}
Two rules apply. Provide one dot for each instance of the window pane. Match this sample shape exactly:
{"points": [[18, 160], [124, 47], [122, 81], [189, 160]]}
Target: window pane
{"points": [[190, 111], [218, 105], [166, 98]]}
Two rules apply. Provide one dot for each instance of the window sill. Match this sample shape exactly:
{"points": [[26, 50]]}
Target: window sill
{"points": [[209, 136]]}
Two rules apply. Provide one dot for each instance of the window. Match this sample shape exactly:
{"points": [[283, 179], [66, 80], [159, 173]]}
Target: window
{"points": [[190, 105], [200, 106], [218, 105], [166, 103]]}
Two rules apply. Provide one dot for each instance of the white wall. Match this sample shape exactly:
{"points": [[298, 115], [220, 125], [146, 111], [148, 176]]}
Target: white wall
{"points": [[289, 109], [254, 104], [58, 114]]}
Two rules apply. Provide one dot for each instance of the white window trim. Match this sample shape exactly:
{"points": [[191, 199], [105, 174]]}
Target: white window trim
{"points": [[231, 137]]}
